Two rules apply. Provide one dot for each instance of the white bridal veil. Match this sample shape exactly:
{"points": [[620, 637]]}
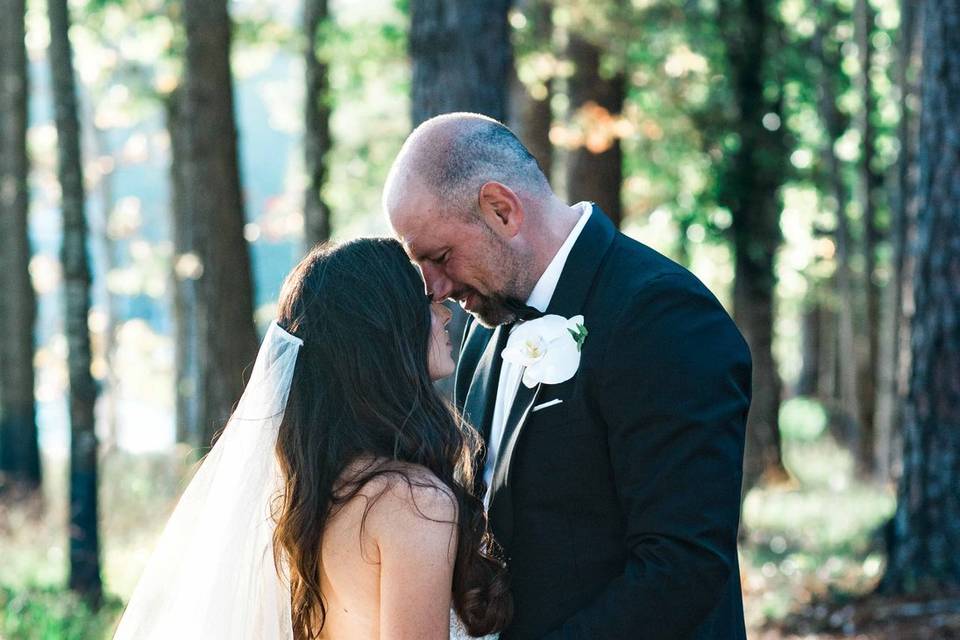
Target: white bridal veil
{"points": [[212, 575]]}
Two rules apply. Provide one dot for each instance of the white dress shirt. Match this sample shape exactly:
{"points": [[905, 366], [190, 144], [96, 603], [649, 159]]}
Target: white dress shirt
{"points": [[511, 374]]}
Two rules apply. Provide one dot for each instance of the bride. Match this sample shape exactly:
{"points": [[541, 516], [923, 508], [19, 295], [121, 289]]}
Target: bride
{"points": [[340, 500]]}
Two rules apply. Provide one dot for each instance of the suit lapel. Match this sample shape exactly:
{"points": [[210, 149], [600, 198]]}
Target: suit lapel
{"points": [[568, 300], [478, 404]]}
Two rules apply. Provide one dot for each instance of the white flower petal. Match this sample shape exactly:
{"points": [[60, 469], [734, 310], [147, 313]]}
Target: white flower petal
{"points": [[562, 363]]}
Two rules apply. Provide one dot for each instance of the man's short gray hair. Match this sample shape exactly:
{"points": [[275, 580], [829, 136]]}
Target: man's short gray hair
{"points": [[455, 154]]}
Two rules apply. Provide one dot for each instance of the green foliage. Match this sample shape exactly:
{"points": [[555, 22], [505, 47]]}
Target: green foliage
{"points": [[51, 613]]}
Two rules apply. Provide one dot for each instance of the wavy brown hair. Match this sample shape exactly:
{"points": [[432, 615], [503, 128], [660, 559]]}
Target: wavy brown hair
{"points": [[362, 391]]}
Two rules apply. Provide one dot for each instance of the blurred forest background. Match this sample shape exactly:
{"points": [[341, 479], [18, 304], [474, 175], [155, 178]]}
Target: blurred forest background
{"points": [[163, 164]]}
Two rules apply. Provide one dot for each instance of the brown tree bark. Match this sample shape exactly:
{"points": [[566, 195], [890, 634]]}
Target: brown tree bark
{"points": [[595, 168], [84, 536], [844, 417], [316, 139], [751, 191], [894, 348], [461, 57], [185, 276], [211, 180], [462, 61], [531, 116], [810, 348], [869, 184], [19, 449], [926, 527]]}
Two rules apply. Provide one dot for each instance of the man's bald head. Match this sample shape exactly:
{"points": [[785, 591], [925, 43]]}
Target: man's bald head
{"points": [[454, 154]]}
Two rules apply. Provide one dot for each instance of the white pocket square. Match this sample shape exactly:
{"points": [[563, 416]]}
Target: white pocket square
{"points": [[545, 405]]}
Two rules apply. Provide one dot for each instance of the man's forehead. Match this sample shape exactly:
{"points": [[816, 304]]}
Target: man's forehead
{"points": [[419, 244]]}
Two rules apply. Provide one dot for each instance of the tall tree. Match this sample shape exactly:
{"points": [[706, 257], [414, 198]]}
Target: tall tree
{"points": [[595, 167], [894, 353], [462, 61], [461, 57], [211, 194], [844, 365], [531, 113], [316, 140], [186, 287], [750, 189], [927, 522], [870, 181], [84, 536], [19, 449]]}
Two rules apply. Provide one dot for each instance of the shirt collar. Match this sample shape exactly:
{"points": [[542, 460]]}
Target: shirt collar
{"points": [[543, 291]]}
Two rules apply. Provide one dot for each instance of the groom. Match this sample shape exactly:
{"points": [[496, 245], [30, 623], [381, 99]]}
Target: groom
{"points": [[614, 490]]}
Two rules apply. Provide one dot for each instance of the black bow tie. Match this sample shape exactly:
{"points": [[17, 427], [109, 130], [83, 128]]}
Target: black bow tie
{"points": [[523, 312]]}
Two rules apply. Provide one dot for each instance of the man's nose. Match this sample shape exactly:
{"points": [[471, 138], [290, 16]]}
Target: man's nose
{"points": [[438, 285]]}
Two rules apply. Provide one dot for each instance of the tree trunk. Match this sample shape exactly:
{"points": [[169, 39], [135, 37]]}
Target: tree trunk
{"points": [[185, 278], [84, 538], [461, 57], [843, 418], [752, 182], [595, 168], [810, 348], [926, 529], [316, 140], [211, 181], [19, 450], [869, 183], [894, 349], [531, 114]]}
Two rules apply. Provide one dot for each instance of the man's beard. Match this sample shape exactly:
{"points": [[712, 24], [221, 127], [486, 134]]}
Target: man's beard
{"points": [[494, 310]]}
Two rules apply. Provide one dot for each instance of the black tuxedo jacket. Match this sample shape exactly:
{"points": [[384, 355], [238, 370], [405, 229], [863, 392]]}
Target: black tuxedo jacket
{"points": [[618, 508]]}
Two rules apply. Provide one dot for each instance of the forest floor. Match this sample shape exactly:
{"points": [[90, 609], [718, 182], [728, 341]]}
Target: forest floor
{"points": [[811, 550]]}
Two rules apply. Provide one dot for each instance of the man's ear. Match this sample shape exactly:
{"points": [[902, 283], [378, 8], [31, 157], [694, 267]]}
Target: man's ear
{"points": [[501, 209]]}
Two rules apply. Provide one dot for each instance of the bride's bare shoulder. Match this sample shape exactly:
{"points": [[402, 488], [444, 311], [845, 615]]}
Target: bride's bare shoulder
{"points": [[403, 503]]}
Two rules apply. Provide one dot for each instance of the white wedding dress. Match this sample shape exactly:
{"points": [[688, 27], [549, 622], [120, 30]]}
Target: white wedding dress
{"points": [[212, 574], [457, 632]]}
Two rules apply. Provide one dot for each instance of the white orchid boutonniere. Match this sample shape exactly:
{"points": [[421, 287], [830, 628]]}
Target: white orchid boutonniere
{"points": [[548, 349]]}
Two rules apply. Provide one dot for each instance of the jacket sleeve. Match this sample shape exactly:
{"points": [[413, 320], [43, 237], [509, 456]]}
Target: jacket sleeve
{"points": [[673, 392]]}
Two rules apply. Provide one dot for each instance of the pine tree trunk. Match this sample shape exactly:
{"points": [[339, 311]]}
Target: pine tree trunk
{"points": [[810, 349], [894, 348], [531, 116], [869, 183], [595, 168], [844, 417], [211, 180], [19, 449], [462, 61], [185, 278], [84, 537], [751, 192], [461, 57], [316, 140], [926, 531]]}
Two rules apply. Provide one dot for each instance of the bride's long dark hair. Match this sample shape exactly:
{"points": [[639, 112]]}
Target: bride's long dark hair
{"points": [[362, 391]]}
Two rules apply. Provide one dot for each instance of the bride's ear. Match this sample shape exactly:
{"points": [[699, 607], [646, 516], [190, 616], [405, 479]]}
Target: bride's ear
{"points": [[501, 209]]}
